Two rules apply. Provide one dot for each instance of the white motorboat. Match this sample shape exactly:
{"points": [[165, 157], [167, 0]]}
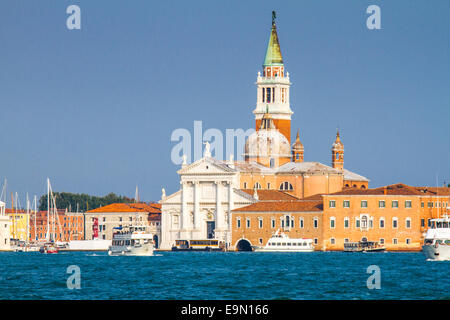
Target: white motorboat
{"points": [[437, 239], [281, 242], [132, 241]]}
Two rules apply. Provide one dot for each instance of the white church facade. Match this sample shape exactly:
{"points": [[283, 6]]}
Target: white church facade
{"points": [[201, 209]]}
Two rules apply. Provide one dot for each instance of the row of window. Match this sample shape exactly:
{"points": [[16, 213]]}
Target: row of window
{"points": [[364, 222], [316, 241], [436, 204], [287, 244], [364, 204], [287, 186], [120, 219], [273, 71], [381, 241], [285, 222]]}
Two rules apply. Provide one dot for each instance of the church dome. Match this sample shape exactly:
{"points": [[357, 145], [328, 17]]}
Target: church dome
{"points": [[267, 143]]}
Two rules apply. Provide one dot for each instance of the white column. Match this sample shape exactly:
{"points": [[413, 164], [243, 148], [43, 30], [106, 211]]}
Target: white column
{"points": [[258, 94], [219, 212], [287, 95], [184, 214], [197, 205], [166, 229], [230, 207]]}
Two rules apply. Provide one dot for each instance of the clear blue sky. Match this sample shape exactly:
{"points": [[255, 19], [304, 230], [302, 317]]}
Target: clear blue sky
{"points": [[94, 109]]}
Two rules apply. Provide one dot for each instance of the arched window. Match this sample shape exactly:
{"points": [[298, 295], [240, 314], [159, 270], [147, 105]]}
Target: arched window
{"points": [[257, 186], [346, 185], [286, 186], [364, 222], [363, 187], [337, 155]]}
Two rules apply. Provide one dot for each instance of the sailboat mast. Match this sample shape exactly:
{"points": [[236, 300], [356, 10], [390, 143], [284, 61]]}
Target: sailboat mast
{"points": [[48, 210], [35, 213], [28, 219]]}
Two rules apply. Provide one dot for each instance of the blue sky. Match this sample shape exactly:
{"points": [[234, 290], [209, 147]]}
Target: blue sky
{"points": [[94, 109]]}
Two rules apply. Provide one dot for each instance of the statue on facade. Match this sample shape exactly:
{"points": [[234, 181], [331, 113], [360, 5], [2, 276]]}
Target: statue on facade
{"points": [[207, 152]]}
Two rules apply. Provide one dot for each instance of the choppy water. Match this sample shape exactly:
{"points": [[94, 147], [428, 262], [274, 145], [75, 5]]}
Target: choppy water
{"points": [[205, 275]]}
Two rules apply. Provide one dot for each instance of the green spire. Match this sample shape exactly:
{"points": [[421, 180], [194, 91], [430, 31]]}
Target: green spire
{"points": [[273, 53]]}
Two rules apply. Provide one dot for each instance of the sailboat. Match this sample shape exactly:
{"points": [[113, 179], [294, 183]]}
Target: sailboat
{"points": [[50, 245]]}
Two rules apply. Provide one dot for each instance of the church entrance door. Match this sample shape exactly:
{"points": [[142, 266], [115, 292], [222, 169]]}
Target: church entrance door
{"points": [[210, 226]]}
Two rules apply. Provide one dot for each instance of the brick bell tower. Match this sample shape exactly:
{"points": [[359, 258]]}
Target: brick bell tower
{"points": [[273, 87]]}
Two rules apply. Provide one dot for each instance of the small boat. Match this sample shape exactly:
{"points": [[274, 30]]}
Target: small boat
{"points": [[131, 241], [363, 246], [199, 245], [49, 247], [281, 242], [437, 239], [29, 247]]}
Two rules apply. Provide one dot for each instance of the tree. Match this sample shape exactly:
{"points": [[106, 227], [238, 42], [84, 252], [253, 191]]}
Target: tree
{"points": [[67, 200]]}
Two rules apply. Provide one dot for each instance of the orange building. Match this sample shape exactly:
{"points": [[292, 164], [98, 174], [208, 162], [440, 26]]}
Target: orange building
{"points": [[396, 216], [68, 226], [276, 210]]}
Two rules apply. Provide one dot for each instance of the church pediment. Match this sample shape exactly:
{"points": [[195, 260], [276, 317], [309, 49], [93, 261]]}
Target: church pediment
{"points": [[206, 166], [172, 199]]}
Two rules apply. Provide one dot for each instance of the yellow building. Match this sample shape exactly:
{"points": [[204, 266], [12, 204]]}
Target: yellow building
{"points": [[19, 225]]}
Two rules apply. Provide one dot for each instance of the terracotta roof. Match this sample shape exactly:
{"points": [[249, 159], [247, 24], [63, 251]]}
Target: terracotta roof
{"points": [[128, 207], [10, 210], [251, 166], [307, 167], [154, 217], [283, 206], [395, 189], [270, 195], [314, 197], [434, 191]]}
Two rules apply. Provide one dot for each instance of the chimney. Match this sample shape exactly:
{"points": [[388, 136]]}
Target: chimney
{"points": [[385, 190]]}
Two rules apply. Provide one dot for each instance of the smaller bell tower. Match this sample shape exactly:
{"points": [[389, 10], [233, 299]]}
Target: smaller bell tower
{"points": [[337, 153], [297, 149]]}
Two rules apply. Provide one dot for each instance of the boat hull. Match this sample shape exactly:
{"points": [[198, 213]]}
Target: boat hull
{"points": [[264, 249], [144, 250], [438, 253]]}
